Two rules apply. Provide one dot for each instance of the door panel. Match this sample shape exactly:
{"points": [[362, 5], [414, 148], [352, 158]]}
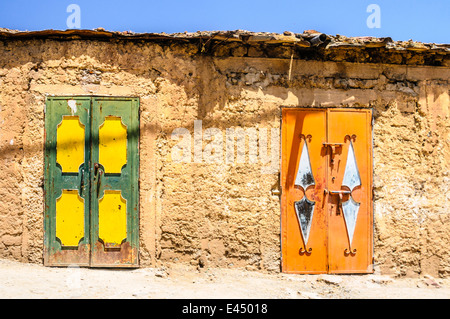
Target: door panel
{"points": [[304, 234], [114, 227], [330, 229], [67, 153], [69, 218], [350, 217], [91, 182]]}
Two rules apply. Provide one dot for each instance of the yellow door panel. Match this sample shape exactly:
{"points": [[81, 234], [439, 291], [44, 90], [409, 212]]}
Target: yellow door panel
{"points": [[112, 218], [70, 218], [70, 144], [113, 144]]}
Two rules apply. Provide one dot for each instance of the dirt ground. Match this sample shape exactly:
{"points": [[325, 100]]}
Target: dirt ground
{"points": [[31, 281]]}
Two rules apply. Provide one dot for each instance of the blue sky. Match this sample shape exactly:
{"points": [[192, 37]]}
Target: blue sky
{"points": [[420, 20]]}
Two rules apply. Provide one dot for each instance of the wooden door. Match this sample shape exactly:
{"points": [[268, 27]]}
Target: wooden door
{"points": [[91, 182], [326, 191], [304, 235], [349, 183], [66, 181], [114, 180]]}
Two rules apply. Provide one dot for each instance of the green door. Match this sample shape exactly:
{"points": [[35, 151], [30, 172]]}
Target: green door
{"points": [[91, 182]]}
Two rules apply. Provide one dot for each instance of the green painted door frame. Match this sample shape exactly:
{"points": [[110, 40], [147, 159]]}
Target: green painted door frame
{"points": [[86, 198]]}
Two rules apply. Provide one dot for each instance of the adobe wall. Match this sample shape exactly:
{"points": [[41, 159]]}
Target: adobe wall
{"points": [[225, 214]]}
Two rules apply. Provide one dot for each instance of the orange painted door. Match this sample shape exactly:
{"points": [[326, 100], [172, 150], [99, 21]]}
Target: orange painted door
{"points": [[350, 191], [326, 191], [304, 232]]}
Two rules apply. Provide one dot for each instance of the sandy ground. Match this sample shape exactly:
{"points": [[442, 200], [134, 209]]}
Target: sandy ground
{"points": [[30, 281]]}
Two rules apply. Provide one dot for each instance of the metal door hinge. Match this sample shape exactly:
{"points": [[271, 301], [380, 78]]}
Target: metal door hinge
{"points": [[276, 192]]}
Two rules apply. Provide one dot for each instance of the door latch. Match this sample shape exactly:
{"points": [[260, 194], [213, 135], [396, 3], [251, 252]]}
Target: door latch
{"points": [[98, 174], [334, 148], [82, 181], [340, 193]]}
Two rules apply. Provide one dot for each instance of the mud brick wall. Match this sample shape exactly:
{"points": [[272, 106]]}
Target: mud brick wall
{"points": [[225, 214]]}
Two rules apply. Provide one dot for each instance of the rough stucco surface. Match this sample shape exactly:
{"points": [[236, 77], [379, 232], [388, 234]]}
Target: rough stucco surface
{"points": [[217, 214]]}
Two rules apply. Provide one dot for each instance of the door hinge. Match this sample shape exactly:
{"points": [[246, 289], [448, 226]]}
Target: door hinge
{"points": [[276, 192]]}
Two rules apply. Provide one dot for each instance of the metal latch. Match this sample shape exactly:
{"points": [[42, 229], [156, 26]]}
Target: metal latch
{"points": [[326, 191], [340, 193], [333, 147]]}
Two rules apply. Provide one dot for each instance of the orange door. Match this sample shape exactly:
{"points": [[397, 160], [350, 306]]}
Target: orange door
{"points": [[304, 233], [326, 198], [350, 191]]}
